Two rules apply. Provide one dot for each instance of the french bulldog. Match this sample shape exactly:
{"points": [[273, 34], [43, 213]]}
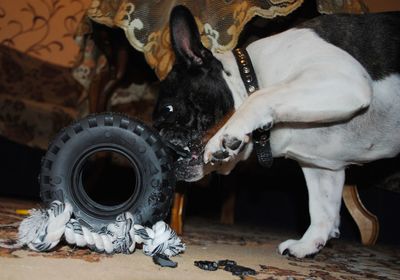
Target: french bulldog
{"points": [[329, 93]]}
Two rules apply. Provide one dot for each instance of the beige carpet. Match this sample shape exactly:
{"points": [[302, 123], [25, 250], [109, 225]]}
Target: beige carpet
{"points": [[205, 240]]}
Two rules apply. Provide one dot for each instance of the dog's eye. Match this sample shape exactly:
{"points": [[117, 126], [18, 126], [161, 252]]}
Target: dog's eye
{"points": [[167, 111], [169, 108]]}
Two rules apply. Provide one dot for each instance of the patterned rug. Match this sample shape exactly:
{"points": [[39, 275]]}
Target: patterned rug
{"points": [[9, 221], [339, 260]]}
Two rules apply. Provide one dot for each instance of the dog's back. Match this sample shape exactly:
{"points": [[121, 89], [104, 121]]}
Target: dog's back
{"points": [[373, 39]]}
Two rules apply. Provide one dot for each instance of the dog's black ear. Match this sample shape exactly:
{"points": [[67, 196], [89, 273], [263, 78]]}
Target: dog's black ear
{"points": [[185, 37]]}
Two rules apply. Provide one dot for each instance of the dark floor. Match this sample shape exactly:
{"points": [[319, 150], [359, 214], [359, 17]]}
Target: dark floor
{"points": [[275, 198]]}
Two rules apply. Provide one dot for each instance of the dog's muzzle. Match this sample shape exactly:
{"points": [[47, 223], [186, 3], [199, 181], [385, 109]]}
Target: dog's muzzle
{"points": [[188, 161], [178, 152]]}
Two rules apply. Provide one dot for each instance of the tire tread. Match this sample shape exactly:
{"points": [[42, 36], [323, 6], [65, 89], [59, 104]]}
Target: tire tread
{"points": [[91, 125]]}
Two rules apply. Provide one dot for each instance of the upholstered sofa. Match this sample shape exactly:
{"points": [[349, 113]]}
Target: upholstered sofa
{"points": [[36, 98]]}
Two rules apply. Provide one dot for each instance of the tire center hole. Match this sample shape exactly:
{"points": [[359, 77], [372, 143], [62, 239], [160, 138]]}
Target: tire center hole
{"points": [[108, 178]]}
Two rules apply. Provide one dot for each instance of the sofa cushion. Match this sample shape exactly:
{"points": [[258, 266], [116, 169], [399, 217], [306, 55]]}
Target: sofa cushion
{"points": [[23, 76], [32, 123]]}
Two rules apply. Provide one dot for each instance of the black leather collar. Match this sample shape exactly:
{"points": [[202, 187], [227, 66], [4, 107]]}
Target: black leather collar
{"points": [[260, 136]]}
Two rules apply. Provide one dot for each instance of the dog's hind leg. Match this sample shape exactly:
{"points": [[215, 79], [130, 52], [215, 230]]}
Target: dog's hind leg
{"points": [[324, 192]]}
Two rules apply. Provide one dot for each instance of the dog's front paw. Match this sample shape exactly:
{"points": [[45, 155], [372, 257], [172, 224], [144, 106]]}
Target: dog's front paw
{"points": [[301, 248], [225, 146]]}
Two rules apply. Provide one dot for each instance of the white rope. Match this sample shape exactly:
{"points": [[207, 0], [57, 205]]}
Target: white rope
{"points": [[44, 229]]}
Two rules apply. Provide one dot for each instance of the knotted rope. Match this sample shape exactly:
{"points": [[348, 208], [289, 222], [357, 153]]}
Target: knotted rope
{"points": [[44, 228]]}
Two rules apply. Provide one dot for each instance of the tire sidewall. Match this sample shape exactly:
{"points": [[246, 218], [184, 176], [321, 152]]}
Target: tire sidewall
{"points": [[155, 185]]}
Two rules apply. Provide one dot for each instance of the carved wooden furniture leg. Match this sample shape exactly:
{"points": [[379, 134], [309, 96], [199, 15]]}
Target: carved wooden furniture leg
{"points": [[176, 222], [96, 87], [367, 222]]}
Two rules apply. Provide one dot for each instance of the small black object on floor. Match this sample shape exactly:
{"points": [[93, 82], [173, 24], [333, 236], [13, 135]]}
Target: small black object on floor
{"points": [[227, 265], [206, 265], [164, 261]]}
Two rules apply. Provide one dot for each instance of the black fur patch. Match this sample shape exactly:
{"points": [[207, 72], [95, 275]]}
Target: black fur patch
{"points": [[193, 97], [372, 39], [199, 97]]}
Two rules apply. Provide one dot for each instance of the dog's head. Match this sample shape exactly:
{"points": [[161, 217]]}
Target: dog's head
{"points": [[194, 96]]}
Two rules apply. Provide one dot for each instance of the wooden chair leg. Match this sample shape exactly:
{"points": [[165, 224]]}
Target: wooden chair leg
{"points": [[228, 209], [176, 222], [368, 223]]}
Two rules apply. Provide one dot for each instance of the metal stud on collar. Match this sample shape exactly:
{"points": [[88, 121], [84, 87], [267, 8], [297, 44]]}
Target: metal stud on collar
{"points": [[246, 70]]}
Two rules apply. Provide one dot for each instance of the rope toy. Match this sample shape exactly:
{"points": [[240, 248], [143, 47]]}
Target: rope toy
{"points": [[44, 228]]}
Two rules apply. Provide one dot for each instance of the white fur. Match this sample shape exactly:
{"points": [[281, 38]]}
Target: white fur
{"points": [[326, 111]]}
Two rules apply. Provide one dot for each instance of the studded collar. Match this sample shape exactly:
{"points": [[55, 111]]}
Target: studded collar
{"points": [[260, 136]]}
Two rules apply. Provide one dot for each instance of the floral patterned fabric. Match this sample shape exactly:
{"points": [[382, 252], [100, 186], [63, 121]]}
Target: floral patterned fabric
{"points": [[38, 98], [43, 29], [220, 22], [146, 23]]}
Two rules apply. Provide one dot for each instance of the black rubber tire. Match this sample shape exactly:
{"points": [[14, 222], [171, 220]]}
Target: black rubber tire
{"points": [[61, 169]]}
